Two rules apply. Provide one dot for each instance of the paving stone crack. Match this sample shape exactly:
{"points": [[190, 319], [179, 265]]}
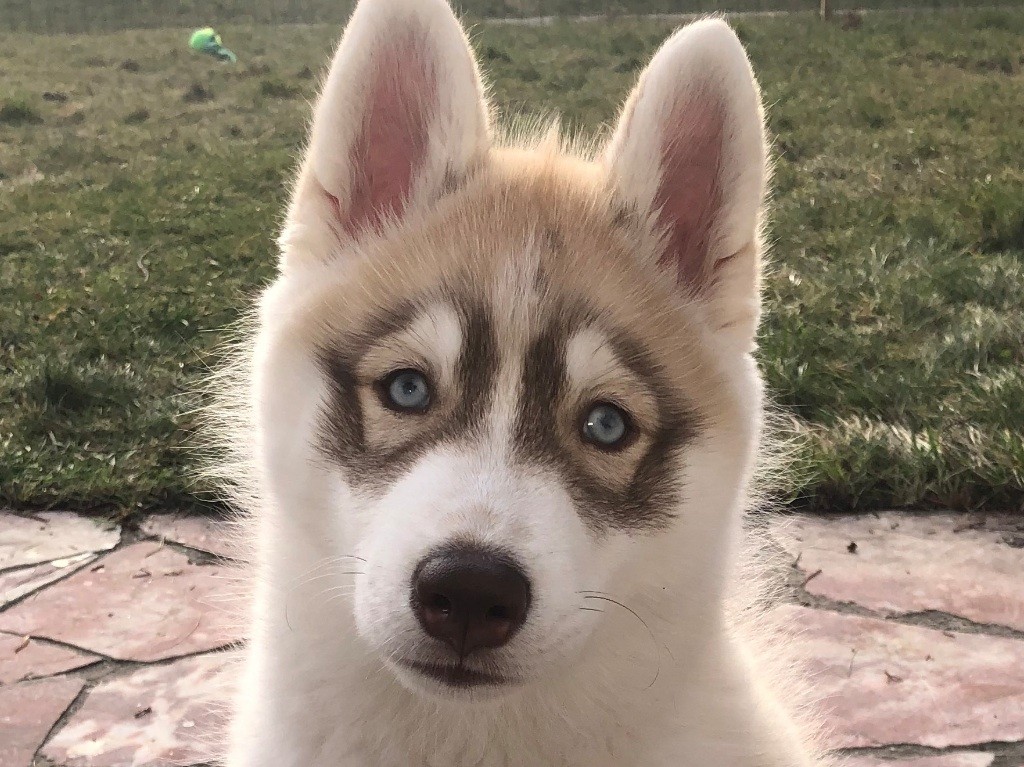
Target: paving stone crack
{"points": [[64, 718], [101, 672], [1007, 753], [67, 573], [933, 619]]}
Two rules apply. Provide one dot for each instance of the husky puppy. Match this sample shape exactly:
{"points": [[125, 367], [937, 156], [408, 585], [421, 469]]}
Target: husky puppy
{"points": [[501, 421]]}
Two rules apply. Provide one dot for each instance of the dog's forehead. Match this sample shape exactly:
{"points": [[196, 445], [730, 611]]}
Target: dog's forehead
{"points": [[505, 314], [523, 243]]}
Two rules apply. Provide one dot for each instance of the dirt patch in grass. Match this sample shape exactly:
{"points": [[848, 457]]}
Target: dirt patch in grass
{"points": [[197, 93], [18, 113], [278, 89]]}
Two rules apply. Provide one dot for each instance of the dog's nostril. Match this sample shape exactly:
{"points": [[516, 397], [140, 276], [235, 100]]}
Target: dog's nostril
{"points": [[439, 603], [470, 597], [497, 613]]}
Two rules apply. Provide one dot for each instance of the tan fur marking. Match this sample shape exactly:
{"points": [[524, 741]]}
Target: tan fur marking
{"points": [[431, 345], [596, 374]]}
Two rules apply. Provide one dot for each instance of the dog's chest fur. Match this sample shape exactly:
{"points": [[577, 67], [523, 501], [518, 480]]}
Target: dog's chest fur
{"points": [[597, 716]]}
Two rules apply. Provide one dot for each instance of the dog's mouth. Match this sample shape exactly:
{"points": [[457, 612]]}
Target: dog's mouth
{"points": [[457, 676]]}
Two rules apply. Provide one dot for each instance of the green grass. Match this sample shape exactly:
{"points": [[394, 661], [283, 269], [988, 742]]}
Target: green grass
{"points": [[74, 16], [137, 215]]}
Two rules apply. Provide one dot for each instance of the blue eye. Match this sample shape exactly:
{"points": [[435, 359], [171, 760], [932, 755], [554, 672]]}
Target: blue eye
{"points": [[606, 425], [407, 390]]}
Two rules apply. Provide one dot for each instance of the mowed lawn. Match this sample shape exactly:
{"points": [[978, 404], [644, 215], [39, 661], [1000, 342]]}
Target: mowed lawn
{"points": [[141, 187], [106, 15]]}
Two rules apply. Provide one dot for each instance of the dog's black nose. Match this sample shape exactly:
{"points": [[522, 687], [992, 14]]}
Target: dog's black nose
{"points": [[470, 597]]}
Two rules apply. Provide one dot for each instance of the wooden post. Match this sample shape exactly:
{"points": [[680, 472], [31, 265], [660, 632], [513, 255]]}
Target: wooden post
{"points": [[825, 11]]}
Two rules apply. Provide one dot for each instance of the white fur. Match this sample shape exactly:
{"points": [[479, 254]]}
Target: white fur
{"points": [[672, 684]]}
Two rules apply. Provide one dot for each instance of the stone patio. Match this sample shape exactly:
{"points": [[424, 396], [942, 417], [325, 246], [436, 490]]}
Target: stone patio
{"points": [[113, 639]]}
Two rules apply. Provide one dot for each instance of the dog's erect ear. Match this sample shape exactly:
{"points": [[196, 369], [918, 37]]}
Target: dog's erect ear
{"points": [[689, 155], [401, 118]]}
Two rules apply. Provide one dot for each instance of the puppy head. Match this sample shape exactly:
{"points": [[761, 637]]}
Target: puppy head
{"points": [[514, 383]]}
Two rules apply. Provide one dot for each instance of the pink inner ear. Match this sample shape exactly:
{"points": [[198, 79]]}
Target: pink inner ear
{"points": [[392, 143], [689, 196]]}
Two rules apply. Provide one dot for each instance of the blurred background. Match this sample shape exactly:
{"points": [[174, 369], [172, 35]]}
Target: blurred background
{"points": [[142, 182]]}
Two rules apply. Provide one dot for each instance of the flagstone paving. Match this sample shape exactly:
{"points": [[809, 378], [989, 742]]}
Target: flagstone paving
{"points": [[143, 602], [23, 658], [156, 714], [882, 682], [971, 567], [216, 536], [963, 759], [51, 536], [115, 642]]}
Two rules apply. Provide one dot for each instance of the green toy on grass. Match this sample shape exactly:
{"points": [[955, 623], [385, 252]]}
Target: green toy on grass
{"points": [[207, 41]]}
